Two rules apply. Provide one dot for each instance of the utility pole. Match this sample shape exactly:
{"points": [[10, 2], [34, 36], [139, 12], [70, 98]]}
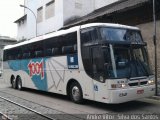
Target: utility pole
{"points": [[155, 46], [32, 13]]}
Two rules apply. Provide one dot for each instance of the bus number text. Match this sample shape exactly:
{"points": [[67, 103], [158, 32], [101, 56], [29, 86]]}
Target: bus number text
{"points": [[36, 68]]}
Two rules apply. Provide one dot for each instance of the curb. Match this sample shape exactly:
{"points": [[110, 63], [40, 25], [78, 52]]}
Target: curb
{"points": [[155, 97]]}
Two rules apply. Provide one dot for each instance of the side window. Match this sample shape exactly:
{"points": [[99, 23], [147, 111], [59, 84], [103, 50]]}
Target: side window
{"points": [[87, 62], [89, 35], [12, 54], [49, 52], [61, 45], [5, 55], [38, 53], [37, 49], [67, 50], [19, 55], [69, 43], [33, 50], [52, 47], [26, 55], [26, 52]]}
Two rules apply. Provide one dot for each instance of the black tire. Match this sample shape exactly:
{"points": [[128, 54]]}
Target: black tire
{"points": [[75, 92], [13, 83], [19, 83]]}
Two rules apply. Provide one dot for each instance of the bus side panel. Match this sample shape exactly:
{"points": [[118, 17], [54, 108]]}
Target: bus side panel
{"points": [[7, 72], [16, 68], [55, 71], [35, 75], [48, 74]]}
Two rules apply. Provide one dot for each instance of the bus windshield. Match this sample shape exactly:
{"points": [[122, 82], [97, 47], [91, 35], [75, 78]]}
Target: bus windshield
{"points": [[124, 53], [129, 60], [120, 34], [126, 62]]}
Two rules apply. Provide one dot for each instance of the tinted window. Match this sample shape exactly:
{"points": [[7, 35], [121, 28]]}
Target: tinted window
{"points": [[56, 46], [89, 35], [13, 54], [61, 45], [119, 34], [33, 50], [37, 49], [5, 55]]}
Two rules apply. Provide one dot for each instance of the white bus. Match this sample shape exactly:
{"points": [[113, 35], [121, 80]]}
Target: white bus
{"points": [[98, 61]]}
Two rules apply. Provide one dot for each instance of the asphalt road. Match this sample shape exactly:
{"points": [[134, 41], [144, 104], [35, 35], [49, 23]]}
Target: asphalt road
{"points": [[137, 109]]}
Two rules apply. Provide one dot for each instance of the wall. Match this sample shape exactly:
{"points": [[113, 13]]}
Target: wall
{"points": [[21, 30], [84, 7], [65, 11], [77, 8], [147, 32], [102, 3], [47, 25], [53, 23]]}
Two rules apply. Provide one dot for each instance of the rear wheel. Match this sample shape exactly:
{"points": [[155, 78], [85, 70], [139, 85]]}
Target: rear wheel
{"points": [[76, 93], [19, 83], [13, 82]]}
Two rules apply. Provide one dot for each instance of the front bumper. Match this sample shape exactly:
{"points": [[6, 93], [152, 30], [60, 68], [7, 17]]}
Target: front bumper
{"points": [[133, 93]]}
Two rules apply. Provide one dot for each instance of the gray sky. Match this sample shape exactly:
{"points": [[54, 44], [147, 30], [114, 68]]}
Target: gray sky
{"points": [[9, 12]]}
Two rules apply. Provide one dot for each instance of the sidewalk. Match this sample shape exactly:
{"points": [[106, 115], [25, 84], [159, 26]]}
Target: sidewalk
{"points": [[2, 84], [158, 96], [155, 97]]}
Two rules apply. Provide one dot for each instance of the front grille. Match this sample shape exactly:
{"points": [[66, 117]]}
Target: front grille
{"points": [[143, 83], [137, 83], [133, 84]]}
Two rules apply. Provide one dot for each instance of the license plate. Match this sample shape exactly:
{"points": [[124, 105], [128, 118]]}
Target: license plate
{"points": [[140, 91]]}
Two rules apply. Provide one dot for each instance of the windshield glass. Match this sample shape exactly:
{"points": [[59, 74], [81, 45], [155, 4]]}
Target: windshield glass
{"points": [[120, 34], [127, 62]]}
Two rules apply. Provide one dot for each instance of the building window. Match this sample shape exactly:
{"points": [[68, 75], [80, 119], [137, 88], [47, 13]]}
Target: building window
{"points": [[50, 9], [39, 14], [78, 4]]}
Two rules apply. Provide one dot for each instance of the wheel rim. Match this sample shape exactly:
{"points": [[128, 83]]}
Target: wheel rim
{"points": [[75, 93], [19, 84], [13, 83]]}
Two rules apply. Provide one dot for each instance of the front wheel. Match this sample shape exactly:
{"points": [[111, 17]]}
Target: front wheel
{"points": [[76, 94]]}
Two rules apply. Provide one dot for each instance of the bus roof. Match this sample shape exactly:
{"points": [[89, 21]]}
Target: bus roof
{"points": [[73, 29], [110, 25]]}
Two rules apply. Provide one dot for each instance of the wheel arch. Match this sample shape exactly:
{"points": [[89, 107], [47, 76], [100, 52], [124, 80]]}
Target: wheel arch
{"points": [[18, 76], [12, 78]]}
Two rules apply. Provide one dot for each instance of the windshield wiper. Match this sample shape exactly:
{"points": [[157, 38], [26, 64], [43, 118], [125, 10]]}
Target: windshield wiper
{"points": [[142, 66]]}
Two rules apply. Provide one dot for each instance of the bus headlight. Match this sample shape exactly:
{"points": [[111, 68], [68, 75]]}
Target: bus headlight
{"points": [[122, 85], [151, 82]]}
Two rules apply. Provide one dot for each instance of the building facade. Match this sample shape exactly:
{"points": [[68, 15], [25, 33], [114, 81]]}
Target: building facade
{"points": [[4, 40], [46, 16]]}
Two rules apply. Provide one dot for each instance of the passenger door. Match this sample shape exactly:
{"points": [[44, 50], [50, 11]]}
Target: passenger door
{"points": [[99, 84], [97, 63]]}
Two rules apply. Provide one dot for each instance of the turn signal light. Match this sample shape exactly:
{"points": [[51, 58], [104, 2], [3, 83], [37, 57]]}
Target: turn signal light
{"points": [[122, 85]]}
